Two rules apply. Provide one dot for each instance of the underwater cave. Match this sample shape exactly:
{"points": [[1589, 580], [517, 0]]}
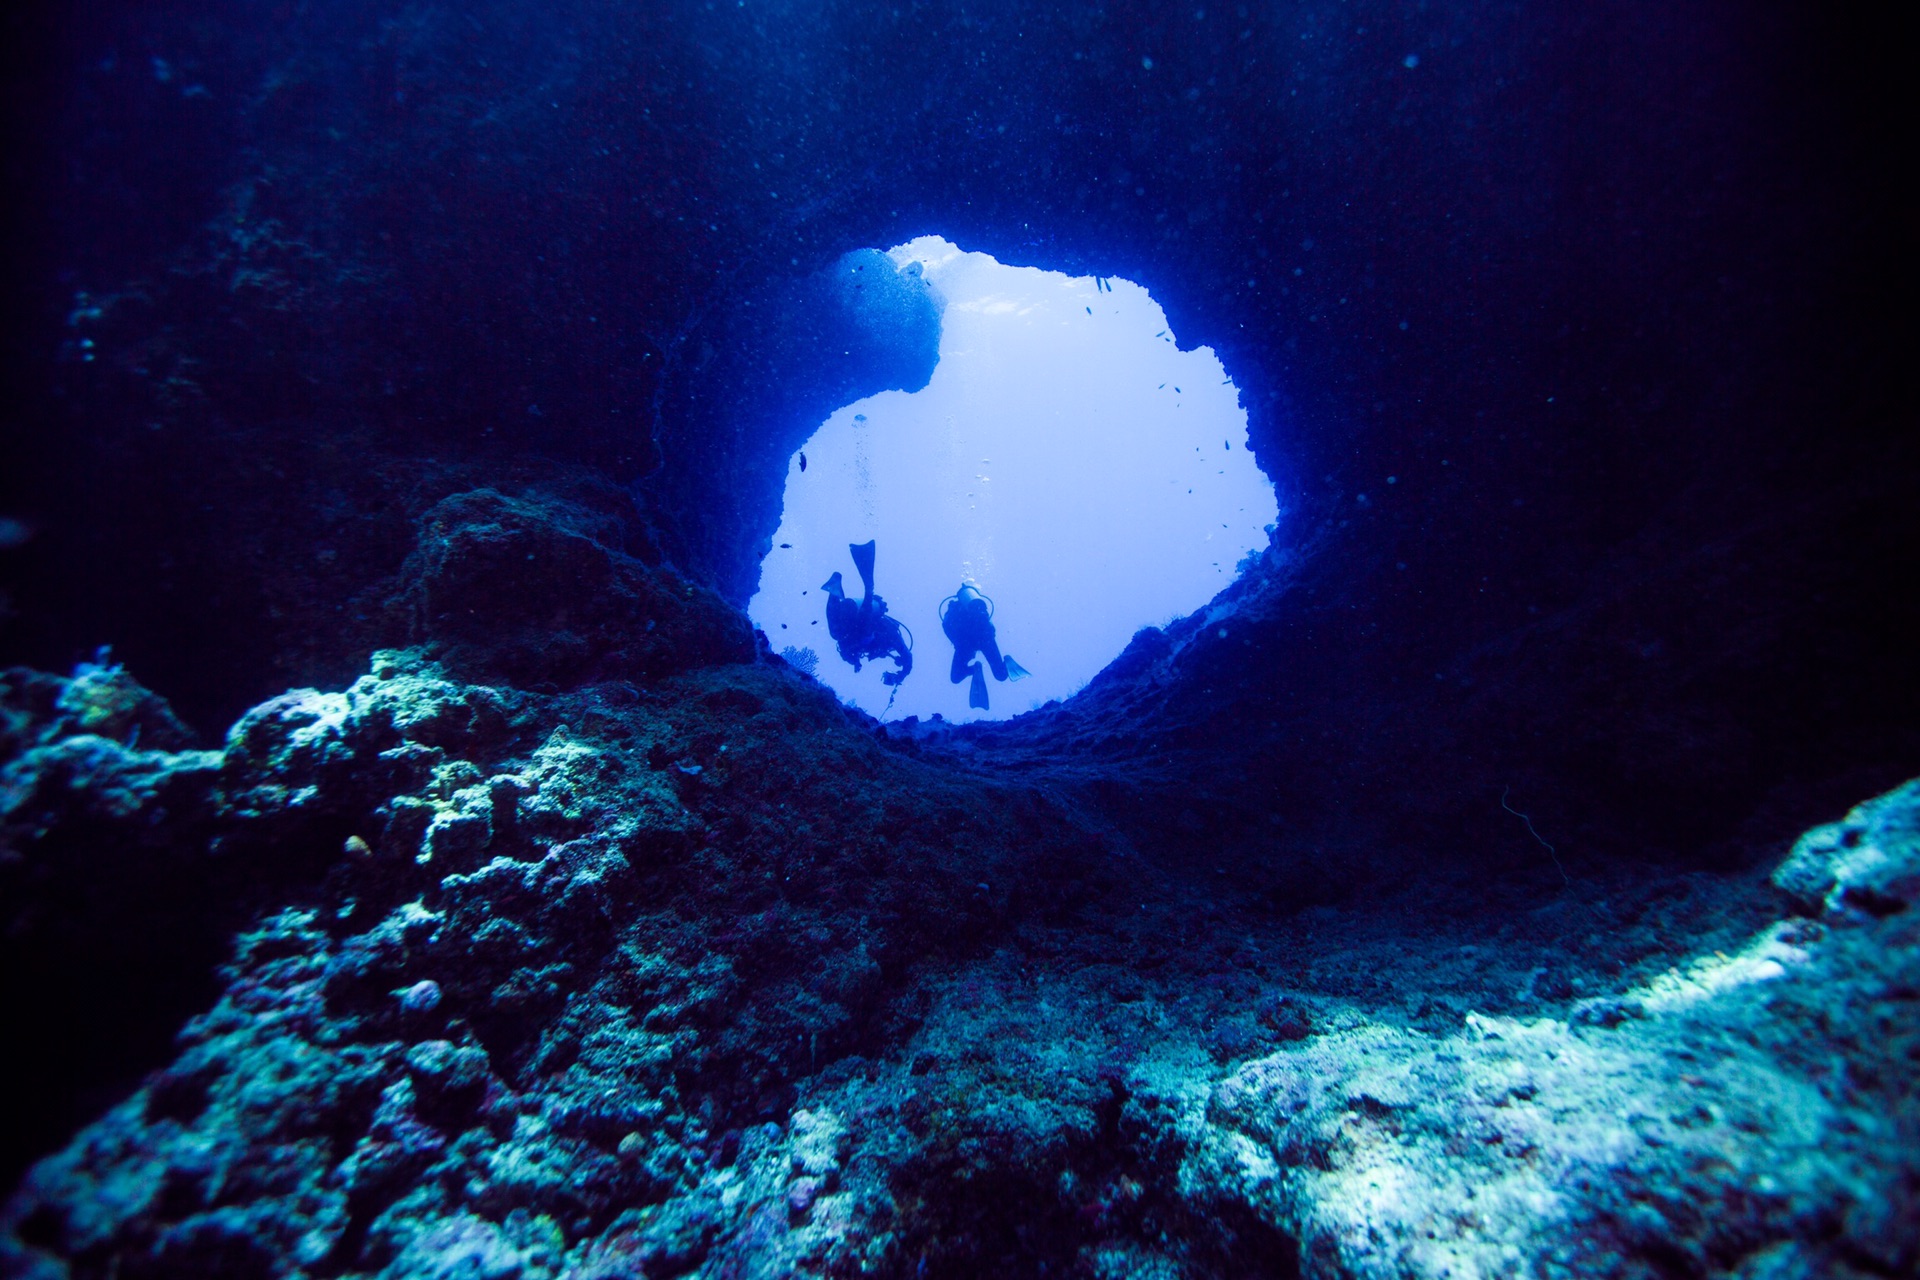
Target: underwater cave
{"points": [[1442, 495], [1054, 462]]}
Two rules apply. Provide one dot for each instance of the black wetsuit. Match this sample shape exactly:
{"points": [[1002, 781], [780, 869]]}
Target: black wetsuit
{"points": [[861, 629], [967, 618], [969, 624]]}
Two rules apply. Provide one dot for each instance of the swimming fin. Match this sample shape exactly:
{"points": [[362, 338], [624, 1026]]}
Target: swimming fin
{"points": [[978, 697], [863, 561], [1014, 670]]}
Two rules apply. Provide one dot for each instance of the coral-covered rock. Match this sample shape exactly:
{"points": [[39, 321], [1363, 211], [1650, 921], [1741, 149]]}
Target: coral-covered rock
{"points": [[564, 945], [99, 699], [111, 907], [1869, 862], [125, 869], [700, 977]]}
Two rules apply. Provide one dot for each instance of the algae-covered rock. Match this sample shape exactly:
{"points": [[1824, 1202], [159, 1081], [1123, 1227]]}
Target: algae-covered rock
{"points": [[1706, 1135], [697, 976]]}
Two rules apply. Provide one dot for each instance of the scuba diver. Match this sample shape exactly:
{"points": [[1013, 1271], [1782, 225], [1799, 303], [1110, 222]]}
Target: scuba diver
{"points": [[861, 629], [967, 618]]}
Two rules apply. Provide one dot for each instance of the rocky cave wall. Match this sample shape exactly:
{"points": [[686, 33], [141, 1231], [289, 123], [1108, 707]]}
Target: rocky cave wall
{"points": [[1561, 334]]}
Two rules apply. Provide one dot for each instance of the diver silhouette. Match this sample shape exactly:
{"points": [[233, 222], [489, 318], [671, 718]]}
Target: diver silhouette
{"points": [[967, 618], [861, 629]]}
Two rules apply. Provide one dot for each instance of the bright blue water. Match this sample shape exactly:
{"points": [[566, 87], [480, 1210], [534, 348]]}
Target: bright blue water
{"points": [[1068, 458]]}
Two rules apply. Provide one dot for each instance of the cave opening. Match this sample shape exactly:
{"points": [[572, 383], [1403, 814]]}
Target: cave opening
{"points": [[1067, 459], [417, 389]]}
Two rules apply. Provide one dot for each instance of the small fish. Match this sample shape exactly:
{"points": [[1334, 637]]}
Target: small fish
{"points": [[786, 546], [803, 462], [1089, 310]]}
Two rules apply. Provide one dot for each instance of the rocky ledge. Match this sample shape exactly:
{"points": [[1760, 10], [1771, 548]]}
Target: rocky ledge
{"points": [[634, 954]]}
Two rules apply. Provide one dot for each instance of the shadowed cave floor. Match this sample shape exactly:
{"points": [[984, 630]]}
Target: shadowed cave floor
{"points": [[645, 958]]}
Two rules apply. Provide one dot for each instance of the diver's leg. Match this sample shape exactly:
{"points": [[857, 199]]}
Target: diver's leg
{"points": [[962, 665], [991, 651], [863, 561]]}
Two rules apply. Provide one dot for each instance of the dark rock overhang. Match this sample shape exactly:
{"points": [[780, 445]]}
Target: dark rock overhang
{"points": [[1596, 332], [1597, 296]]}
